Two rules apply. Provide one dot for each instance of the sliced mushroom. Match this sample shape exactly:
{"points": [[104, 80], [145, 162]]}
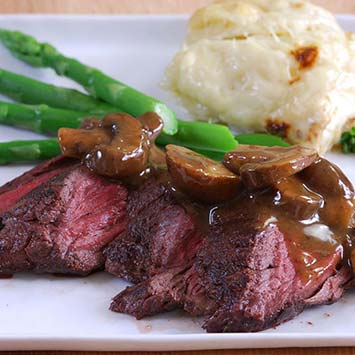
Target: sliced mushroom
{"points": [[154, 125], [157, 157], [152, 122], [247, 154], [90, 123], [77, 142], [264, 166], [200, 177], [116, 146], [127, 153], [328, 180], [296, 198]]}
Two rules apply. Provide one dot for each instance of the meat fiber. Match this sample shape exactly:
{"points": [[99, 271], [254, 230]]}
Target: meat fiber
{"points": [[160, 235], [241, 274], [15, 189], [63, 225]]}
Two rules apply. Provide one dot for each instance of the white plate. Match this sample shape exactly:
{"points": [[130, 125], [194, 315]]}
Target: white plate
{"points": [[47, 312]]}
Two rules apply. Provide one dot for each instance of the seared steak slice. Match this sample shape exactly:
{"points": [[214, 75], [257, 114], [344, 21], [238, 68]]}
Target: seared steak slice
{"points": [[15, 189], [243, 278], [255, 278], [63, 225], [161, 293], [160, 235]]}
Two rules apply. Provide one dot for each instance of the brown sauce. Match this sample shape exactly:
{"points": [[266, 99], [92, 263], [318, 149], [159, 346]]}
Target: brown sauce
{"points": [[117, 146], [314, 217], [306, 197]]}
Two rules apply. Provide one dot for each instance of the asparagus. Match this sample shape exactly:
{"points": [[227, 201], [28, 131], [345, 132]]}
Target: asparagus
{"points": [[196, 135], [28, 49], [40, 118], [28, 151], [34, 92], [263, 139], [213, 140], [32, 150], [46, 149]]}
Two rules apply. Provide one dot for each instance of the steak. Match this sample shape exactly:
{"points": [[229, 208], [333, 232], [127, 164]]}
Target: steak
{"points": [[244, 265], [242, 273], [160, 235], [15, 189], [62, 225]]}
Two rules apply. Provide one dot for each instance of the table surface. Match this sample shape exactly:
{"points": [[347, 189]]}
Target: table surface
{"points": [[150, 7]]}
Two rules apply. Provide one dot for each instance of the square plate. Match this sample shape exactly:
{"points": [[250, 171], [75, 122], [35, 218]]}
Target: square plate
{"points": [[59, 313]]}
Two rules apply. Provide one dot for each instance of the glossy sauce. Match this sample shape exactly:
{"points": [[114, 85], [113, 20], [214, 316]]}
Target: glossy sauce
{"points": [[307, 198], [313, 210], [117, 146]]}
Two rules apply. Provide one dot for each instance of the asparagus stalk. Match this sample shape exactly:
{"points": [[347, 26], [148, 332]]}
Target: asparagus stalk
{"points": [[98, 84], [264, 139], [196, 135], [20, 151], [40, 118], [28, 151], [34, 92], [208, 139], [213, 139]]}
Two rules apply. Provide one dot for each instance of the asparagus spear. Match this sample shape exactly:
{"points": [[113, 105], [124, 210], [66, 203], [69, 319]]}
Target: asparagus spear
{"points": [[45, 149], [22, 151], [40, 118], [213, 139], [264, 139], [44, 119], [30, 91], [33, 150], [28, 49], [34, 92]]}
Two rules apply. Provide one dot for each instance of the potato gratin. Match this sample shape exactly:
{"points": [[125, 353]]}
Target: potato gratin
{"points": [[281, 66]]}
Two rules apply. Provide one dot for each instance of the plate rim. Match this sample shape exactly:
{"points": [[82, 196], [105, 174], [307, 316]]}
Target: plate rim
{"points": [[161, 342]]}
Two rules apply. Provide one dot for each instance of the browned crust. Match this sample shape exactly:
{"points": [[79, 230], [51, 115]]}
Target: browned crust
{"points": [[306, 56], [277, 128]]}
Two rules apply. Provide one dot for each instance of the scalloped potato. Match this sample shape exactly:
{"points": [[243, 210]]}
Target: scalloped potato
{"points": [[281, 66]]}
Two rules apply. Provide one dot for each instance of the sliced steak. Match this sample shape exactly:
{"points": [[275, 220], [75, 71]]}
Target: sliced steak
{"points": [[255, 277], [63, 225], [161, 293], [15, 189], [160, 235], [249, 273]]}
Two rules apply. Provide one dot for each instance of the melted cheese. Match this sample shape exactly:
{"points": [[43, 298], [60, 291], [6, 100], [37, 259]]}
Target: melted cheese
{"points": [[283, 66]]}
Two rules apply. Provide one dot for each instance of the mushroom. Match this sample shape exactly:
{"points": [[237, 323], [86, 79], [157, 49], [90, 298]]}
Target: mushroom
{"points": [[263, 166], [329, 181], [117, 146], [154, 125], [152, 122], [296, 198], [77, 142], [126, 154], [200, 177]]}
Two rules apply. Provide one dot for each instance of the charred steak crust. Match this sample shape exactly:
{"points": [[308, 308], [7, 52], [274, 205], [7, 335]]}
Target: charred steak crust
{"points": [[239, 273], [63, 225], [241, 277], [15, 189], [160, 235]]}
